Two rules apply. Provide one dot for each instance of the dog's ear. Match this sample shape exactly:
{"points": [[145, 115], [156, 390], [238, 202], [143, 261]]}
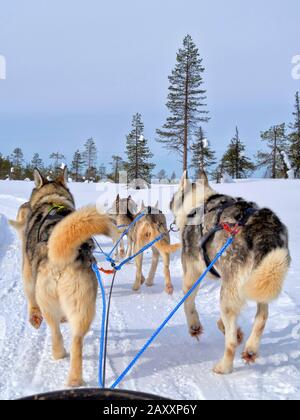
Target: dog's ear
{"points": [[202, 178], [185, 182], [63, 177], [39, 180]]}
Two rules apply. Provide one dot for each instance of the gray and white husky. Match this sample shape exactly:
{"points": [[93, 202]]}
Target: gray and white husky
{"points": [[253, 268]]}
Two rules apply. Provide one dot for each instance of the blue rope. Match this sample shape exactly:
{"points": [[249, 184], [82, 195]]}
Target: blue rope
{"points": [[161, 327], [102, 337], [138, 218], [141, 251]]}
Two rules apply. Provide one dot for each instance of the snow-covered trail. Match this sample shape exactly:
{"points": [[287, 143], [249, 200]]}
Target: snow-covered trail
{"points": [[175, 366]]}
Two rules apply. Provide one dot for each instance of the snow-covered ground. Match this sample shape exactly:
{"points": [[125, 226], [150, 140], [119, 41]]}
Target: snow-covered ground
{"points": [[175, 366]]}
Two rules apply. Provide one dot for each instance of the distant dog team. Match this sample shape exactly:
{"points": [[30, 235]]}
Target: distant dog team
{"points": [[58, 254]]}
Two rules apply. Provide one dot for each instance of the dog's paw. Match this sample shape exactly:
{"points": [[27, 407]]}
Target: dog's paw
{"points": [[75, 382], [59, 354], [149, 283], [196, 331], [35, 318], [169, 289], [136, 287], [249, 357], [221, 369]]}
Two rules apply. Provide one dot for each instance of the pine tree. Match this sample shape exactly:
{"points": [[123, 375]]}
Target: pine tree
{"points": [[234, 161], [203, 156], [272, 160], [138, 165], [186, 101], [117, 165], [37, 162], [102, 172], [5, 166], [17, 160], [162, 175], [57, 160], [90, 159], [294, 138], [173, 177], [77, 164]]}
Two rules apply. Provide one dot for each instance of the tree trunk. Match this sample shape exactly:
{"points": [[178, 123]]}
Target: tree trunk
{"points": [[274, 155], [186, 122]]}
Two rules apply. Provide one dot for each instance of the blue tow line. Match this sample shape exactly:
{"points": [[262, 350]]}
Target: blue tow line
{"points": [[161, 327], [165, 322], [102, 336]]}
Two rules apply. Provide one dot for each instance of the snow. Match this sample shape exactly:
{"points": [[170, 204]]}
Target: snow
{"points": [[175, 366]]}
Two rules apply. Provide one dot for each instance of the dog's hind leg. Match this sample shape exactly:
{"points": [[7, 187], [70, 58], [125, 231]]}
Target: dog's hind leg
{"points": [[230, 311], [35, 315], [154, 264], [79, 330], [169, 286], [240, 334], [191, 275], [252, 346], [140, 279], [122, 249], [58, 350]]}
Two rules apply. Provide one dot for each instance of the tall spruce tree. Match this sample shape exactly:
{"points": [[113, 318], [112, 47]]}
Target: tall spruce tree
{"points": [[294, 139], [57, 160], [37, 162], [272, 160], [17, 160], [5, 165], [117, 165], [234, 161], [203, 156], [90, 159], [77, 165], [186, 101], [138, 165]]}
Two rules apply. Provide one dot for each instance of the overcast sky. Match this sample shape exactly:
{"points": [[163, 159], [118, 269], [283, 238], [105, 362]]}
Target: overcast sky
{"points": [[77, 69]]}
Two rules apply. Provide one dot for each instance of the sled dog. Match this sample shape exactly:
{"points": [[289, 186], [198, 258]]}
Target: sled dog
{"points": [[58, 252], [123, 212], [254, 267], [144, 231]]}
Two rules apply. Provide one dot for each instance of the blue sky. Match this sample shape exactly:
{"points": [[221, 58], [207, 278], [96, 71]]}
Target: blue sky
{"points": [[79, 69]]}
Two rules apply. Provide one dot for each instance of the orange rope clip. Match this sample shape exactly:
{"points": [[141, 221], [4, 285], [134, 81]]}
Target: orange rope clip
{"points": [[108, 272]]}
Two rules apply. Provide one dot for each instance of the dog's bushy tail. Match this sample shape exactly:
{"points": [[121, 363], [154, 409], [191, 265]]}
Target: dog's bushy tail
{"points": [[74, 230], [150, 233], [266, 281]]}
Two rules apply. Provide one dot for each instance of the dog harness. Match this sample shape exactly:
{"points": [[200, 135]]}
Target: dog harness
{"points": [[55, 214], [246, 212]]}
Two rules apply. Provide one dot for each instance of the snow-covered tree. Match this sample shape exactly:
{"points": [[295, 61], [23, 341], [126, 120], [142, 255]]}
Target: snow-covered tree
{"points": [[186, 101], [138, 164], [294, 139], [234, 161], [203, 156], [272, 160]]}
